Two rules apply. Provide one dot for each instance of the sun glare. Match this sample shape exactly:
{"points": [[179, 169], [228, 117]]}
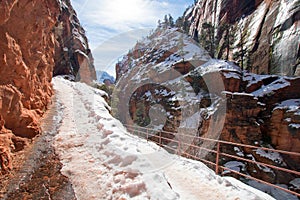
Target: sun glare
{"points": [[128, 10]]}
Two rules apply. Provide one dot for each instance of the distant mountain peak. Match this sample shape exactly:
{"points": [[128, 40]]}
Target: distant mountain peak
{"points": [[103, 75]]}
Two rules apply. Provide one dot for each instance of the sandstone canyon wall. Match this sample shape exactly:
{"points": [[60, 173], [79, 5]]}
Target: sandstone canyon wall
{"points": [[170, 75], [72, 53], [267, 31], [38, 38], [168, 82]]}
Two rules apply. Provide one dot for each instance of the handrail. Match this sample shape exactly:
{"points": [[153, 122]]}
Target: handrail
{"points": [[226, 142], [262, 181], [146, 132], [260, 163]]}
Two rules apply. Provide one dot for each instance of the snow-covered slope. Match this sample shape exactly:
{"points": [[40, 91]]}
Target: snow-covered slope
{"points": [[163, 49], [160, 71], [103, 161]]}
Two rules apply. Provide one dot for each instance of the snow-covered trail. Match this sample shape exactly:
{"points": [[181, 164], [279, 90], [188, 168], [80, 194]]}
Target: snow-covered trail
{"points": [[103, 161]]}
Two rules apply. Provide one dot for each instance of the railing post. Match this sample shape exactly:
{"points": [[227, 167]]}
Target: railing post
{"points": [[147, 134], [178, 148], [217, 158], [160, 138]]}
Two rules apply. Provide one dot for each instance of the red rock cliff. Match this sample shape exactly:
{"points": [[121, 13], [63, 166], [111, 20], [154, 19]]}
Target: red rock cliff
{"points": [[72, 53], [30, 46]]}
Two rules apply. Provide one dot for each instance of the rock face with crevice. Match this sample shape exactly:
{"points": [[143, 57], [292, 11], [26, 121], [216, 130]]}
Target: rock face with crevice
{"points": [[72, 53], [38, 39], [269, 31]]}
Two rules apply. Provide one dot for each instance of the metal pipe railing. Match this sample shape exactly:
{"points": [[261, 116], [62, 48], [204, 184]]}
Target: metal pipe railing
{"points": [[262, 181], [227, 142], [218, 153]]}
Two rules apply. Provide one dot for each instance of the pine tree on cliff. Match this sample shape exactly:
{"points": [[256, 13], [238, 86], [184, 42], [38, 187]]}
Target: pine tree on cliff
{"points": [[227, 34], [166, 21], [207, 38], [159, 25], [186, 26], [242, 53], [171, 21], [179, 22], [197, 79], [183, 24]]}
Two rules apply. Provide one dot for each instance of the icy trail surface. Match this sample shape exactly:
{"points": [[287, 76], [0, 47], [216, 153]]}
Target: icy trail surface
{"points": [[103, 161]]}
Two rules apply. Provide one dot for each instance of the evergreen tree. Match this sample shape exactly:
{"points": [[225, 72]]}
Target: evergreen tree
{"points": [[207, 38], [248, 61], [196, 80], [186, 26], [242, 53], [166, 21], [171, 21], [179, 22], [159, 25], [227, 32]]}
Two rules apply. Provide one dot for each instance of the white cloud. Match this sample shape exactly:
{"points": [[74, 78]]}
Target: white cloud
{"points": [[106, 20], [121, 15], [108, 53]]}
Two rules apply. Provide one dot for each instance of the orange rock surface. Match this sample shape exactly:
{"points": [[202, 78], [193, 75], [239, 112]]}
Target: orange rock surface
{"points": [[31, 47], [26, 65]]}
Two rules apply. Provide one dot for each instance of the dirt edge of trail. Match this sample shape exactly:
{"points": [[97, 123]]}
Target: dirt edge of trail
{"points": [[36, 173]]}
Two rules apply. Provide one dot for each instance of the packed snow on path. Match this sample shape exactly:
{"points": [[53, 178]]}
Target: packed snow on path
{"points": [[103, 161]]}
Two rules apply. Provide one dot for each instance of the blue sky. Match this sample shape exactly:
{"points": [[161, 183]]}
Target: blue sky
{"points": [[113, 26]]}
